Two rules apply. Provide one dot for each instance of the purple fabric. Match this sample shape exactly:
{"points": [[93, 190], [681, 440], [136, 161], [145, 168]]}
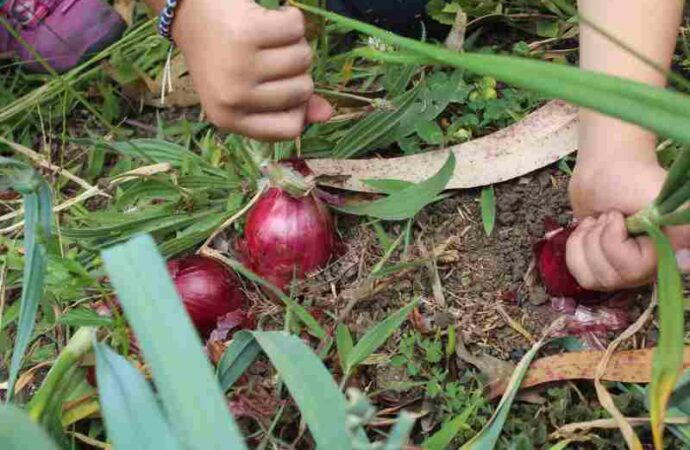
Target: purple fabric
{"points": [[64, 32]]}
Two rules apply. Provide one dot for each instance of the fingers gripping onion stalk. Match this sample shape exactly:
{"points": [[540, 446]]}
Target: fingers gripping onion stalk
{"points": [[208, 289], [289, 231]]}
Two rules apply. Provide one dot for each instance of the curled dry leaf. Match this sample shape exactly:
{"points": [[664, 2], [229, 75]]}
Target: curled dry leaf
{"points": [[629, 366], [182, 94], [540, 139]]}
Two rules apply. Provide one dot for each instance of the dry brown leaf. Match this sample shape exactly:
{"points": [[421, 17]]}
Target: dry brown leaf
{"points": [[125, 8], [183, 94], [540, 139], [630, 366]]}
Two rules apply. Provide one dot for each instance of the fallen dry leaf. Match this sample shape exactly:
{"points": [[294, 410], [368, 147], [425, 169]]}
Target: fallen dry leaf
{"points": [[630, 366], [125, 8], [182, 95], [540, 139]]}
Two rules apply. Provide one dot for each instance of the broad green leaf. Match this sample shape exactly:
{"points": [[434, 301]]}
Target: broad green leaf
{"points": [[430, 132], [488, 206], [396, 79], [239, 355], [377, 336], [344, 344], [18, 432], [668, 357], [660, 110], [388, 186], [679, 406], [406, 203], [133, 418], [376, 125], [449, 430], [184, 379], [487, 438], [84, 317], [309, 382], [37, 216]]}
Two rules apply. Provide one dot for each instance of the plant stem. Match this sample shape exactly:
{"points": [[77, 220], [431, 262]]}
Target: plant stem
{"points": [[637, 223], [676, 199], [289, 180], [76, 348]]}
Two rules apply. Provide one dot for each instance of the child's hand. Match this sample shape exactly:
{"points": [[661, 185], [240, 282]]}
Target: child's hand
{"points": [[600, 253], [250, 67]]}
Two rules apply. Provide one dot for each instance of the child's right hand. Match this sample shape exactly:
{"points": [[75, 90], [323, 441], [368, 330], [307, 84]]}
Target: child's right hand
{"points": [[250, 67]]}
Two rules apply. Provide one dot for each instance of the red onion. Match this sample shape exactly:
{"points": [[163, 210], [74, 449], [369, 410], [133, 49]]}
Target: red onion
{"points": [[8, 195], [553, 269], [208, 289], [287, 236]]}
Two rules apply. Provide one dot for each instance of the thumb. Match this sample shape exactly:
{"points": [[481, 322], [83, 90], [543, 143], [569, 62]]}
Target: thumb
{"points": [[318, 110]]}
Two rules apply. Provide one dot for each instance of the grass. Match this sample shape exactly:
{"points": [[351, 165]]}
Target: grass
{"points": [[399, 363]]}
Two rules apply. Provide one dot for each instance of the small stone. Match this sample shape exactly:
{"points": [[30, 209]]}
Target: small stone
{"points": [[538, 296]]}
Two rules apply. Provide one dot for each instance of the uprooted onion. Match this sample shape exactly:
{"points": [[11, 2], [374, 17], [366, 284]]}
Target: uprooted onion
{"points": [[289, 232], [208, 289], [550, 254]]}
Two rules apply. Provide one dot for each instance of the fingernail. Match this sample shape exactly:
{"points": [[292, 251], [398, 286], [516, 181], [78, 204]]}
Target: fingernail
{"points": [[683, 259]]}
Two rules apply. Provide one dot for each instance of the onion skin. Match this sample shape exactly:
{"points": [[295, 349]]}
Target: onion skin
{"points": [[286, 238], [208, 289], [550, 255]]}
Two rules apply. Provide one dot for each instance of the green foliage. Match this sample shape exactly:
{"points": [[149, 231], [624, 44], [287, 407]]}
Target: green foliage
{"points": [[37, 217], [153, 308], [18, 432], [375, 338], [487, 202], [133, 417], [409, 201]]}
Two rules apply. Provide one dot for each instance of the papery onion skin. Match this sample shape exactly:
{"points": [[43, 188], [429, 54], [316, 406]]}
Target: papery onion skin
{"points": [[286, 238], [208, 289], [550, 255]]}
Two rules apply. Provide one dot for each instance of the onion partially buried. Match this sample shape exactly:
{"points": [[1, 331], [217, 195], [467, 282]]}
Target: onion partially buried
{"points": [[208, 289]]}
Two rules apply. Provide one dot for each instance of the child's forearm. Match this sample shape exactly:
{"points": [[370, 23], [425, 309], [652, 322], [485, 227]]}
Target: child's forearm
{"points": [[650, 28]]}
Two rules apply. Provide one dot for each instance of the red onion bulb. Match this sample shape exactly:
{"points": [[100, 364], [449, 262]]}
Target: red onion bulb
{"points": [[286, 237], [550, 254], [208, 289]]}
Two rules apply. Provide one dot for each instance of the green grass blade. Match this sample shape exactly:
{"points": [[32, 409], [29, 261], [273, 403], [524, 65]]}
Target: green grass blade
{"points": [[310, 384], [133, 418], [406, 203], [184, 379], [377, 336], [487, 202], [376, 125], [561, 445], [302, 314], [486, 439], [37, 216], [239, 355], [18, 432], [400, 434], [663, 111], [344, 344], [668, 357], [443, 437]]}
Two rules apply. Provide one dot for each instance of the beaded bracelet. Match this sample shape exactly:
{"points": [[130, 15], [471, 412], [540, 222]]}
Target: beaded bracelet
{"points": [[165, 19]]}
